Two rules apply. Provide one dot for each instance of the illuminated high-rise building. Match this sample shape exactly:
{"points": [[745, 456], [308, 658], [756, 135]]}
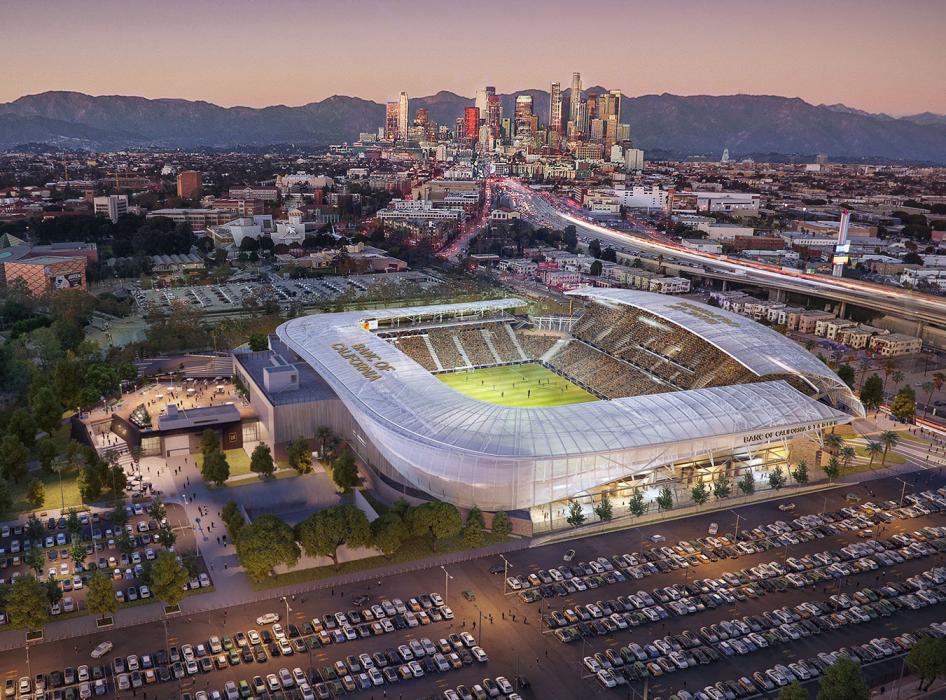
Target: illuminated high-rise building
{"points": [[523, 115], [555, 108], [575, 98], [390, 121], [471, 122], [482, 100], [402, 119], [422, 118], [494, 114]]}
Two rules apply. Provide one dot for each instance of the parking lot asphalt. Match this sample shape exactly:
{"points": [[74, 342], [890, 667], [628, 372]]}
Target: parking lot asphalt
{"points": [[520, 645]]}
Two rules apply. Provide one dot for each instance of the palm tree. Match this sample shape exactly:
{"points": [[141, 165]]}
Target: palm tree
{"points": [[889, 438], [939, 379], [889, 368], [323, 433], [847, 456], [874, 448], [928, 388], [833, 443], [897, 377]]}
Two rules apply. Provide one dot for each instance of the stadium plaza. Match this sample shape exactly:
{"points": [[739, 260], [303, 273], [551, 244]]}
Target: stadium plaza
{"points": [[482, 404]]}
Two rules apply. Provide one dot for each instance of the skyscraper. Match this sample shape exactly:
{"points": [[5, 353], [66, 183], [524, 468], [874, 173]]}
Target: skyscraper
{"points": [[523, 115], [402, 112], [482, 100], [422, 118], [494, 114], [575, 98], [471, 122], [555, 108], [390, 121]]}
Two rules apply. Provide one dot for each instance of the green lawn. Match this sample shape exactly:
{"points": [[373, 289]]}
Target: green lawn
{"points": [[70, 492], [238, 460], [524, 386]]}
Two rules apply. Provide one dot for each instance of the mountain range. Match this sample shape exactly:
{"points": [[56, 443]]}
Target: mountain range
{"points": [[669, 125]]}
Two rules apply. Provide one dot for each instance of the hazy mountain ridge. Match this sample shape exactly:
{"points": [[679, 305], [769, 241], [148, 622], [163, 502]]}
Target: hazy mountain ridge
{"points": [[674, 124]]}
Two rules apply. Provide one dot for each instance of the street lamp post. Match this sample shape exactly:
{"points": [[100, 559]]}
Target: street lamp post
{"points": [[446, 585], [903, 491], [738, 517], [506, 566], [286, 601]]}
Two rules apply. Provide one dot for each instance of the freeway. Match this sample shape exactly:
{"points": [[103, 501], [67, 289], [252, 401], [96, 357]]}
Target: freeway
{"points": [[544, 209]]}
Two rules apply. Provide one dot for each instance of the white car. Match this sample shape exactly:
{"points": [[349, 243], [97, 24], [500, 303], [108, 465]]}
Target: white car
{"points": [[786, 507], [205, 582], [144, 592], [267, 619], [101, 650]]}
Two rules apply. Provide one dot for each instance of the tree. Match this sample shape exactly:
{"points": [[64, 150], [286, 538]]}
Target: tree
{"points": [[233, 518], [259, 342], [873, 449], [596, 268], [73, 524], [168, 578], [166, 537], [27, 604], [890, 366], [261, 461], [842, 680], [6, 498], [897, 377], [473, 534], [792, 691], [34, 529], [800, 473], [157, 510], [501, 525], [847, 455], [47, 410], [636, 504], [345, 472], [846, 373], [436, 521], [13, 458], [721, 488], [388, 532], [323, 532], [747, 483], [872, 392], [36, 493], [46, 452], [35, 559], [264, 544], [576, 516], [299, 455], [53, 591], [903, 406], [100, 596], [125, 544], [700, 494], [927, 660], [22, 425], [776, 478], [324, 435], [928, 387], [832, 469], [77, 550], [665, 498], [833, 443], [594, 248], [215, 468], [604, 510], [889, 439], [475, 514], [209, 441]]}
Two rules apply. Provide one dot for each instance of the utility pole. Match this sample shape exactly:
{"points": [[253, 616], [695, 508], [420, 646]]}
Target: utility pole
{"points": [[738, 517], [446, 585], [903, 491], [506, 566]]}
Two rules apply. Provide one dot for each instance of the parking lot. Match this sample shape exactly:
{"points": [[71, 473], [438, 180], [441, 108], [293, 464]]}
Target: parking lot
{"points": [[846, 578], [105, 549]]}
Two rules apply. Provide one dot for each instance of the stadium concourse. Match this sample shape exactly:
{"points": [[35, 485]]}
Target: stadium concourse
{"points": [[666, 391]]}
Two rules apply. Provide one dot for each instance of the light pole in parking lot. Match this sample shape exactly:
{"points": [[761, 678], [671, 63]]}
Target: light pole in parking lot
{"points": [[286, 601], [506, 566], [903, 491], [738, 517], [446, 584]]}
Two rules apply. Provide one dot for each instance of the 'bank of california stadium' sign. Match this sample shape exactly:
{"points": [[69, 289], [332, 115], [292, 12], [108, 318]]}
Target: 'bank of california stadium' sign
{"points": [[363, 359], [788, 432]]}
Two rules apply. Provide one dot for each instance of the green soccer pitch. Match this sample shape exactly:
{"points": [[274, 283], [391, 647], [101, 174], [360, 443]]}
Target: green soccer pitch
{"points": [[525, 386]]}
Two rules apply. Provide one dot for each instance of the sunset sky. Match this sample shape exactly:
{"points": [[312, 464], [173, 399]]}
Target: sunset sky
{"points": [[878, 55]]}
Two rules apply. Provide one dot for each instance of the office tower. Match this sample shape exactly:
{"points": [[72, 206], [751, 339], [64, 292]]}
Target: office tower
{"points": [[616, 104], [402, 111], [422, 118], [574, 100], [494, 114], [581, 118], [505, 127], [471, 122], [390, 121], [482, 100], [523, 115], [188, 184], [597, 130], [113, 206], [555, 108]]}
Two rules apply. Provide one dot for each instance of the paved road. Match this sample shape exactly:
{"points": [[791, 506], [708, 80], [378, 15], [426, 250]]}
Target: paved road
{"points": [[553, 668]]}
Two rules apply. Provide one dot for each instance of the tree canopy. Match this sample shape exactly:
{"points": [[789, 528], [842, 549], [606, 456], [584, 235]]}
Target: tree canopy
{"points": [[264, 544], [323, 532]]}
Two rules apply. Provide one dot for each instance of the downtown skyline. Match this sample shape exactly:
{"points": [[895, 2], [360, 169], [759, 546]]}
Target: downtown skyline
{"points": [[822, 54]]}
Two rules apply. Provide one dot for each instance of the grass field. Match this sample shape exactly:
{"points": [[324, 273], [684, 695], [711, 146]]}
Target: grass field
{"points": [[238, 460], [524, 386]]}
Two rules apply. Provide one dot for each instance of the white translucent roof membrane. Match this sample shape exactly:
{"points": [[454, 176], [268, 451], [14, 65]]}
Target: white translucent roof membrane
{"points": [[410, 402], [759, 348]]}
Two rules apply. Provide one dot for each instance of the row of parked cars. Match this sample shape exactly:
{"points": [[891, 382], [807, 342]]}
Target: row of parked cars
{"points": [[607, 616], [751, 633], [803, 670], [570, 577]]}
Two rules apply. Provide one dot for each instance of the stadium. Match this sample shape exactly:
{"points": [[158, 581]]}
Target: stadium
{"points": [[482, 404]]}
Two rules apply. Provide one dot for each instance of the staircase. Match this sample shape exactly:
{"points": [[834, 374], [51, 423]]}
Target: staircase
{"points": [[433, 353], [461, 350], [489, 344], [550, 353], [515, 342]]}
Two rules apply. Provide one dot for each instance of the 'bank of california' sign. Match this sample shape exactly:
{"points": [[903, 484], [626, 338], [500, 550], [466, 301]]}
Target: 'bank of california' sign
{"points": [[788, 432]]}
